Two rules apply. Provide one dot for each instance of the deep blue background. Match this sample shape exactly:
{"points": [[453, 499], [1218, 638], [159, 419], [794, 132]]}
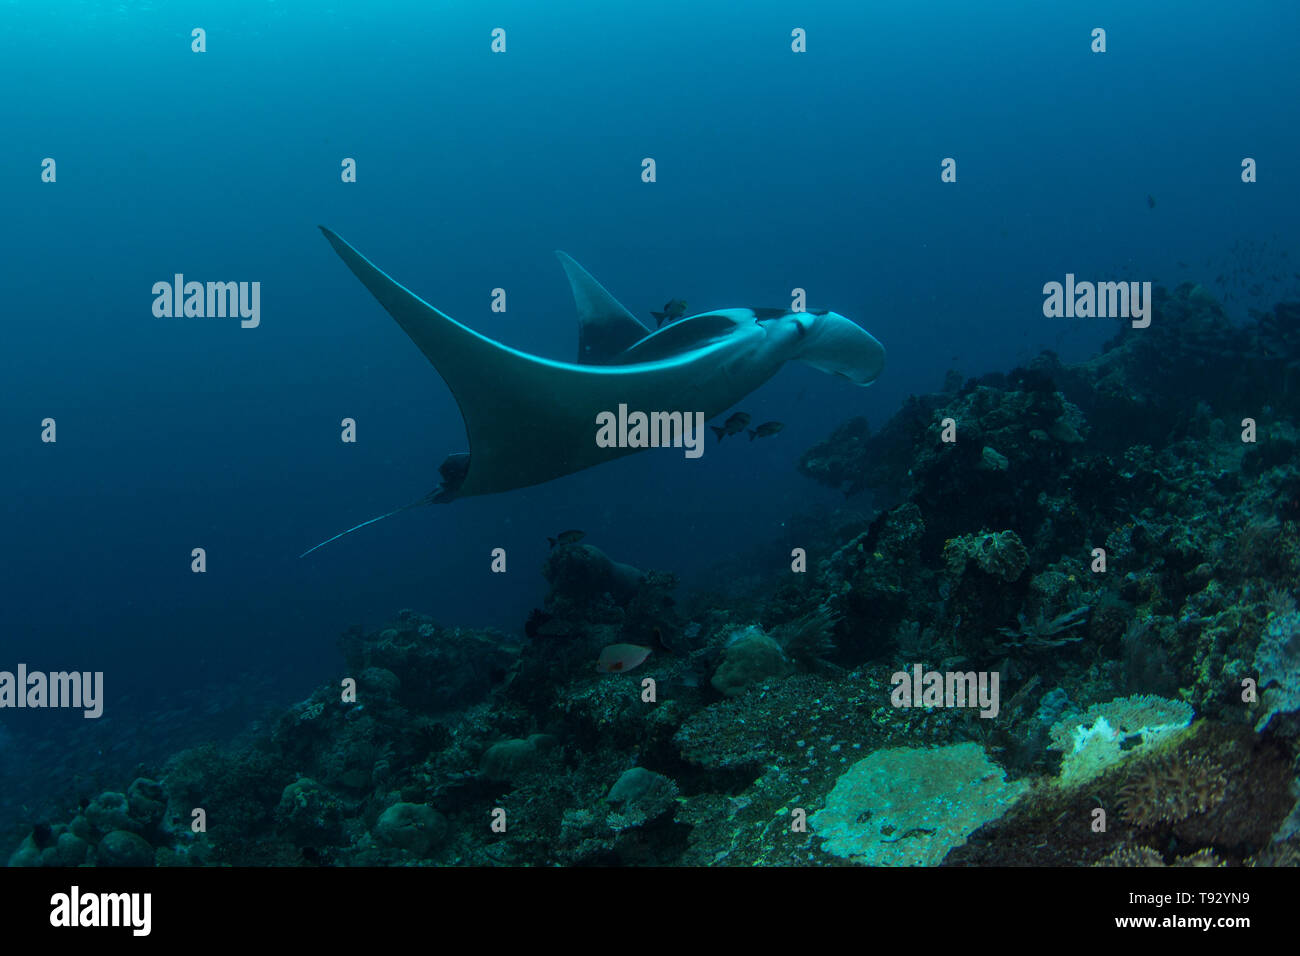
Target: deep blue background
{"points": [[774, 171]]}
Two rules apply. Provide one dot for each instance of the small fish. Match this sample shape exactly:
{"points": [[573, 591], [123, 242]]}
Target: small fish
{"points": [[567, 537], [734, 425], [1151, 201], [765, 429], [673, 309], [617, 658]]}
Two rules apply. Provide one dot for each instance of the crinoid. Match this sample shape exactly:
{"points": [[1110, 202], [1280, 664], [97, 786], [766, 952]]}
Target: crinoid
{"points": [[811, 637], [1167, 789]]}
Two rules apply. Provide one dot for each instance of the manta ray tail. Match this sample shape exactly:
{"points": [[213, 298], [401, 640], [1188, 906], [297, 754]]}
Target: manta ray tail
{"points": [[414, 504]]}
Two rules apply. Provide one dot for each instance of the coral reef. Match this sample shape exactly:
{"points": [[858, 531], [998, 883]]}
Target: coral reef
{"points": [[910, 806], [1001, 554], [1117, 730], [1098, 535], [749, 658], [113, 829], [1277, 661], [1169, 790]]}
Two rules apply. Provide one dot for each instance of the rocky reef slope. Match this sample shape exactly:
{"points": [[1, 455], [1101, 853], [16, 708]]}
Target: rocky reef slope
{"points": [[1114, 540]]}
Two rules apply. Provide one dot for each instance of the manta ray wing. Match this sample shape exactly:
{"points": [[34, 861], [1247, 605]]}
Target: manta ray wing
{"points": [[531, 419]]}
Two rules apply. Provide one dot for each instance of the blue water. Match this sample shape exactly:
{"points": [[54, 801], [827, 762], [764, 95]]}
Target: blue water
{"points": [[775, 170]]}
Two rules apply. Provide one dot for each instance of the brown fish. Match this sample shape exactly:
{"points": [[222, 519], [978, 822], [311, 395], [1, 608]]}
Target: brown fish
{"points": [[732, 426], [567, 537], [673, 309]]}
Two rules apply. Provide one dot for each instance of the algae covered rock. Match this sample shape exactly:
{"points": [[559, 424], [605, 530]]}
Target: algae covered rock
{"points": [[411, 826], [82, 828], [1001, 554], [993, 460], [583, 573], [749, 658], [111, 811], [508, 759], [27, 854], [642, 795], [424, 667], [379, 684], [909, 806], [71, 849], [146, 802], [1277, 661], [123, 848], [309, 812]]}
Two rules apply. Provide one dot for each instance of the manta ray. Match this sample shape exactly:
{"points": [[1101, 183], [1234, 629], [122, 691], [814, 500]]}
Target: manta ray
{"points": [[532, 419]]}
